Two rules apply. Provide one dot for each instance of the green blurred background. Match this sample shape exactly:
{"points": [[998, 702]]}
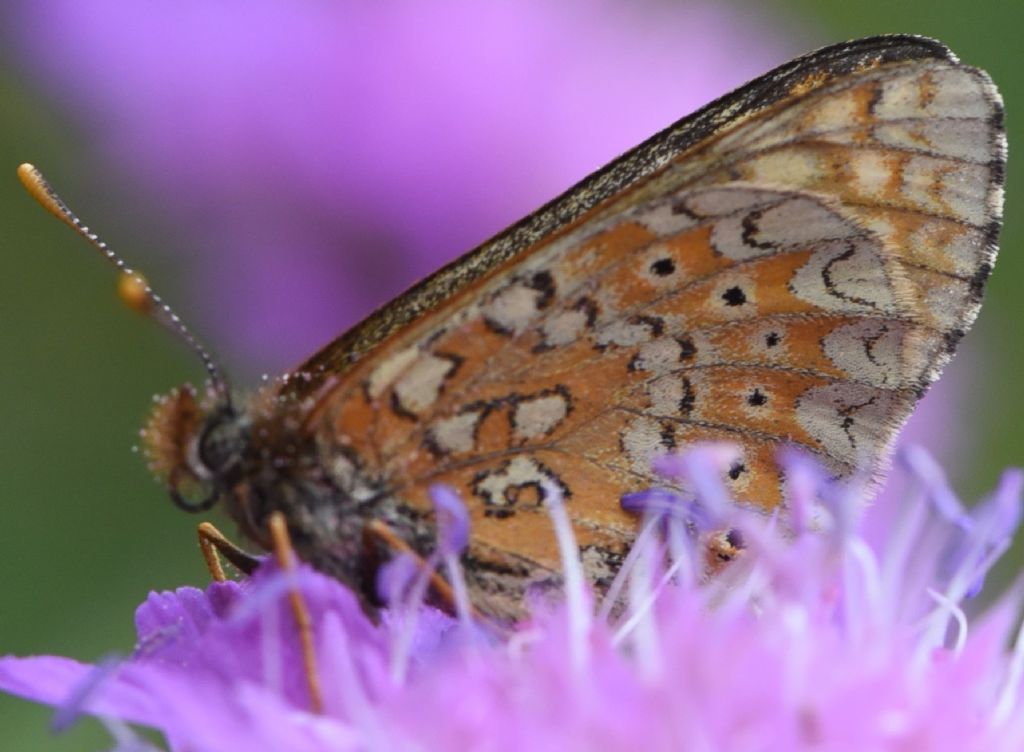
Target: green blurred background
{"points": [[85, 532]]}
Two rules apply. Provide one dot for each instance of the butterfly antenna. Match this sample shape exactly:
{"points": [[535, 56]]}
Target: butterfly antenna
{"points": [[133, 288]]}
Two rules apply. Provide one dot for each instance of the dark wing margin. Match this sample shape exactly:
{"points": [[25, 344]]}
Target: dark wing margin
{"points": [[804, 73]]}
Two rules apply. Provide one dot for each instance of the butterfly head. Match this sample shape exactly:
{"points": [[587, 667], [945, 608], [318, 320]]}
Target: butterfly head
{"points": [[195, 447]]}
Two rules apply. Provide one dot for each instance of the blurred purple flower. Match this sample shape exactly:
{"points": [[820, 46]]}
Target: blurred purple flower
{"points": [[943, 422], [809, 641], [320, 157]]}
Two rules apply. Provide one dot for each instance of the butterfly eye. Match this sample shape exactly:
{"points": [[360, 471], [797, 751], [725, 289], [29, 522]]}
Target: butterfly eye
{"points": [[214, 459], [221, 444]]}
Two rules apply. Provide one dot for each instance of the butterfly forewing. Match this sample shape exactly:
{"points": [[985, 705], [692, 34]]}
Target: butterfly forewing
{"points": [[790, 266]]}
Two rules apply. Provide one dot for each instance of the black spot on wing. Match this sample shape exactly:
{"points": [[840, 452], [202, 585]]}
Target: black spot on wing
{"points": [[543, 283], [686, 348], [689, 398], [737, 469], [734, 296], [663, 267]]}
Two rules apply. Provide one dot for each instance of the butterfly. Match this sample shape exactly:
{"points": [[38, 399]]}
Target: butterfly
{"points": [[793, 264]]}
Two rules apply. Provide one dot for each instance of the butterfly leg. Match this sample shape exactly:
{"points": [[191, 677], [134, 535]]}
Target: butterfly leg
{"points": [[286, 558], [214, 544], [377, 531]]}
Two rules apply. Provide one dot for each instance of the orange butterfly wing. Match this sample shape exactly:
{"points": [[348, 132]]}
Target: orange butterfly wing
{"points": [[791, 265]]}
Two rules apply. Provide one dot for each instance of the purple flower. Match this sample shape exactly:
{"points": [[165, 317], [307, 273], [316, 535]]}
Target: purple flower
{"points": [[452, 520], [810, 640], [317, 158]]}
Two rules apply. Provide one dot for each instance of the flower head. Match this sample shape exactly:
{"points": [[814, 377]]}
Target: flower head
{"points": [[810, 639]]}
